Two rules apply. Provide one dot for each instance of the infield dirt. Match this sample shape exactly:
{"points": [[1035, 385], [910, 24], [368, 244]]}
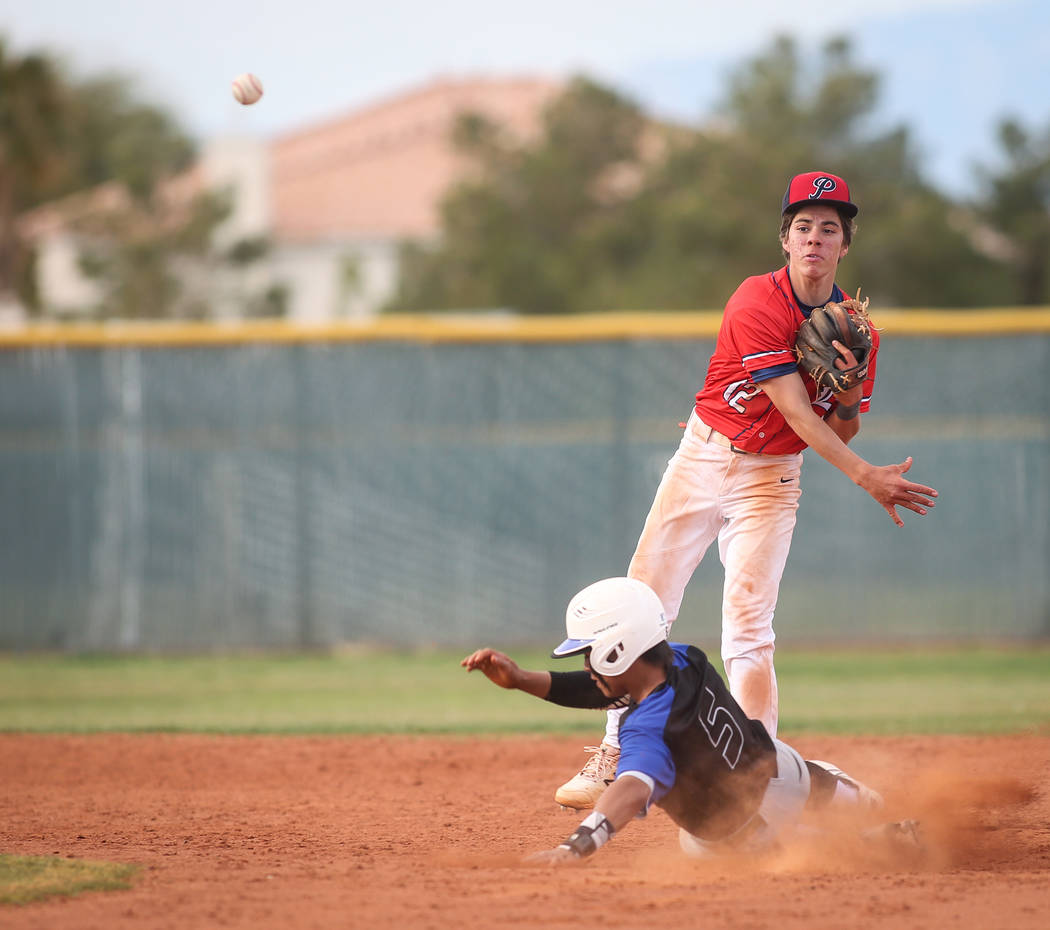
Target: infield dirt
{"points": [[428, 832]]}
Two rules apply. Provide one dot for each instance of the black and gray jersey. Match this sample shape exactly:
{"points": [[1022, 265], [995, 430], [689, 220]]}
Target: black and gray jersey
{"points": [[708, 764]]}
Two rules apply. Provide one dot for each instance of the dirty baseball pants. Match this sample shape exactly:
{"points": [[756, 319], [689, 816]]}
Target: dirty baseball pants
{"points": [[747, 502]]}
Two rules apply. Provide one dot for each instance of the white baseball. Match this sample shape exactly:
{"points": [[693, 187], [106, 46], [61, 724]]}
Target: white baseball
{"points": [[247, 88]]}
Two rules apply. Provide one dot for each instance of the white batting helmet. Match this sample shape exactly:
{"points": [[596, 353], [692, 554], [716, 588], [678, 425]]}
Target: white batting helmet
{"points": [[617, 619]]}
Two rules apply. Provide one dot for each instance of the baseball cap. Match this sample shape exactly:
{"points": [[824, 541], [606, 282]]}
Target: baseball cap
{"points": [[818, 185]]}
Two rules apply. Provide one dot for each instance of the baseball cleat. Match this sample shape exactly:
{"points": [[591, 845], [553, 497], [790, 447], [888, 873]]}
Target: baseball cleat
{"points": [[867, 798], [583, 790], [902, 838]]}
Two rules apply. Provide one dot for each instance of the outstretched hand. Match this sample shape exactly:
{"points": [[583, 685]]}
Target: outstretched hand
{"points": [[498, 668], [887, 484]]}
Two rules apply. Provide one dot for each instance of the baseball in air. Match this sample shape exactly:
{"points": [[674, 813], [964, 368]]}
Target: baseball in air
{"points": [[247, 88]]}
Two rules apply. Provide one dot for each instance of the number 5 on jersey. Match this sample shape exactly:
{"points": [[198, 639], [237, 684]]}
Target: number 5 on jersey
{"points": [[721, 729]]}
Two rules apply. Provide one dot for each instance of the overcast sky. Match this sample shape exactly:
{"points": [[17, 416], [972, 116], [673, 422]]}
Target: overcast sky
{"points": [[951, 68]]}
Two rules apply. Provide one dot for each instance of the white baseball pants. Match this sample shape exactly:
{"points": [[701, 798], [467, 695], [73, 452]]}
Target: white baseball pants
{"points": [[748, 503]]}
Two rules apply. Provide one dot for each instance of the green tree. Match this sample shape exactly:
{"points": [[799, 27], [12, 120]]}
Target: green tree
{"points": [[136, 251], [33, 114], [1016, 205], [111, 135], [140, 254], [593, 216], [711, 210], [529, 229], [151, 253]]}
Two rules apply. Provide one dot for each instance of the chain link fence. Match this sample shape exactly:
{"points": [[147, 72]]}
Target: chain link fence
{"points": [[245, 491]]}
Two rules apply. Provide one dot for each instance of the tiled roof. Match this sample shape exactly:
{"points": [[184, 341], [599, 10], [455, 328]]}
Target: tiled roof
{"points": [[76, 211], [380, 171]]}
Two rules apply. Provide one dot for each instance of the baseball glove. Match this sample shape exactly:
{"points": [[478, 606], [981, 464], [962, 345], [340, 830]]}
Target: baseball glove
{"points": [[848, 322]]}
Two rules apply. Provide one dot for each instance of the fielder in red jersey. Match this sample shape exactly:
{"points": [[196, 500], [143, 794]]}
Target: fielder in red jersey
{"points": [[755, 343], [735, 476]]}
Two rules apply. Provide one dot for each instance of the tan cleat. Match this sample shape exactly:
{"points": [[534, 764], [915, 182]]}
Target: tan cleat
{"points": [[581, 791]]}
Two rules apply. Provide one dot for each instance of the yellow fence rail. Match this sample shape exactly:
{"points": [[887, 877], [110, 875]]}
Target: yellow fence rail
{"points": [[479, 328]]}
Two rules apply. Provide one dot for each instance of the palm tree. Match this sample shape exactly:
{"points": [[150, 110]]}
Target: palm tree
{"points": [[33, 110]]}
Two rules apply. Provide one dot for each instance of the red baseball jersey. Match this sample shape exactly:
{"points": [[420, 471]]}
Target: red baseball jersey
{"points": [[755, 342]]}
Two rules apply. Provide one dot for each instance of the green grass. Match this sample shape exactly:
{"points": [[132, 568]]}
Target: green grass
{"points": [[32, 878], [362, 692], [973, 690], [900, 691]]}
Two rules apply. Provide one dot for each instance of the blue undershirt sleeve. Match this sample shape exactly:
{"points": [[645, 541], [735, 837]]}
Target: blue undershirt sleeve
{"points": [[764, 374]]}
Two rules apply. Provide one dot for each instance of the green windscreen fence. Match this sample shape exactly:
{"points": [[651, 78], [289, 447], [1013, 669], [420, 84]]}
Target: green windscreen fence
{"points": [[265, 491]]}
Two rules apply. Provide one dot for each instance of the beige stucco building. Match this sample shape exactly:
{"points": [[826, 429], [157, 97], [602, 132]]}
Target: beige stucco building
{"points": [[334, 200]]}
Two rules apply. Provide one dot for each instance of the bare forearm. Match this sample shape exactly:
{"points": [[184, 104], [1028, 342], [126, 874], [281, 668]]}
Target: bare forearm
{"points": [[535, 683], [845, 429], [829, 438], [789, 396], [623, 800]]}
